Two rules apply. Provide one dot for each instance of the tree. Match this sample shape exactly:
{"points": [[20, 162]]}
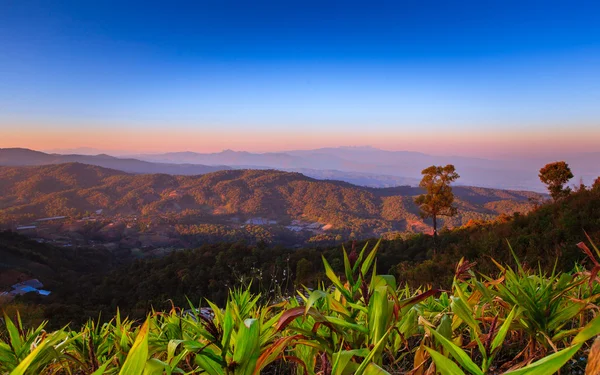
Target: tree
{"points": [[304, 271], [555, 176], [438, 197], [596, 184], [581, 186]]}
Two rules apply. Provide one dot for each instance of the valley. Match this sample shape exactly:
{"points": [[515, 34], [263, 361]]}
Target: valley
{"points": [[76, 204], [299, 188]]}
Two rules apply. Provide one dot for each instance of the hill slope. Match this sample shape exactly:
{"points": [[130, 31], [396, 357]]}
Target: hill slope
{"points": [[71, 189], [547, 236], [24, 259]]}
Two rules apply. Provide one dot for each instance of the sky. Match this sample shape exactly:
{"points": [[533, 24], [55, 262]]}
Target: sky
{"points": [[476, 78]]}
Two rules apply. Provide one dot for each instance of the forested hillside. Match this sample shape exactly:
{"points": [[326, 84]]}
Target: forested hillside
{"points": [[232, 196], [22, 259], [548, 236]]}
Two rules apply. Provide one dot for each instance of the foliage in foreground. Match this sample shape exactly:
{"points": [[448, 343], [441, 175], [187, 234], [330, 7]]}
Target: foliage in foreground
{"points": [[521, 322]]}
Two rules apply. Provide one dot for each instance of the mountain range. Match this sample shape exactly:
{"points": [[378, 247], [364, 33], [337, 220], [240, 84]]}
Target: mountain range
{"points": [[26, 157], [233, 196], [510, 173], [366, 166]]}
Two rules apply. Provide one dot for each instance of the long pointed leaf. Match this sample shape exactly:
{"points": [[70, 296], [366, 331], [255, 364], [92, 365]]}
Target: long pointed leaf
{"points": [[457, 353], [499, 339], [548, 365], [138, 354], [590, 330], [443, 365], [247, 347]]}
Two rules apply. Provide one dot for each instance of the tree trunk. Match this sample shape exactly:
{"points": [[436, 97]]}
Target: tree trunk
{"points": [[434, 234]]}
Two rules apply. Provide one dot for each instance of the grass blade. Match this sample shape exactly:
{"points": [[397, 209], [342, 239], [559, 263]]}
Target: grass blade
{"points": [[137, 356]]}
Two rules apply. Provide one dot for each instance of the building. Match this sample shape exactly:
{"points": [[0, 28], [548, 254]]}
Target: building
{"points": [[26, 227], [33, 285], [51, 218]]}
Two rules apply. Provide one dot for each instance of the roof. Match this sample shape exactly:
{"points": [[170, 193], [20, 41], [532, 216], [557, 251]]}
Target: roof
{"points": [[23, 290], [52, 218], [34, 283]]}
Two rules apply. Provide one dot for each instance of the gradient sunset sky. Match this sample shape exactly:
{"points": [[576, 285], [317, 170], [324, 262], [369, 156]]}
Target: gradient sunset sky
{"points": [[445, 77]]}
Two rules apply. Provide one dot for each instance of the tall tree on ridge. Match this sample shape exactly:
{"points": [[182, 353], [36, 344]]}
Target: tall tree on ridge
{"points": [[555, 176], [438, 197]]}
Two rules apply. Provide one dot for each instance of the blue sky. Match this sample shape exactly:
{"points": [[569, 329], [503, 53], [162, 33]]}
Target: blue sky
{"points": [[208, 75]]}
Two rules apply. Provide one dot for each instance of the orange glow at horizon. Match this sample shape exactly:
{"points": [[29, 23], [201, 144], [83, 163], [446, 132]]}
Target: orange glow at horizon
{"points": [[473, 143]]}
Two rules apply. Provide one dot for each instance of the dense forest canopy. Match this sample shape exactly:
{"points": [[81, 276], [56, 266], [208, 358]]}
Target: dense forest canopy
{"points": [[227, 197], [546, 236]]}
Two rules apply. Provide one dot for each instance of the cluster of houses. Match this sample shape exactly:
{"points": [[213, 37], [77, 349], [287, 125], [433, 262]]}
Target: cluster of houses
{"points": [[33, 285], [298, 226], [33, 226]]}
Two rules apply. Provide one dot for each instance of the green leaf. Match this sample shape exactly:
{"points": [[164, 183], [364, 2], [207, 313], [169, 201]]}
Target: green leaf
{"points": [[384, 280], [462, 310], [209, 364], [409, 323], [369, 358], [154, 367], [227, 328], [138, 354], [360, 258], [344, 324], [247, 347], [457, 353], [36, 353], [314, 296], [499, 339], [348, 268], [341, 361], [379, 312], [369, 259], [590, 330], [13, 334], [335, 280], [171, 348], [445, 327], [443, 365], [273, 351], [102, 368], [373, 369], [548, 365], [565, 314]]}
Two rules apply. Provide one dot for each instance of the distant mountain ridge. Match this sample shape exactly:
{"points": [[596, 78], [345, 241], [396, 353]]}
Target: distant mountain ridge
{"points": [[26, 157], [365, 166], [477, 172], [504, 174], [74, 188]]}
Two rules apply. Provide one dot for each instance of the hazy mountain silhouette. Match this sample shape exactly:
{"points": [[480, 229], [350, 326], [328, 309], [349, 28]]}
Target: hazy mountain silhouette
{"points": [[24, 157], [365, 166], [519, 174]]}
